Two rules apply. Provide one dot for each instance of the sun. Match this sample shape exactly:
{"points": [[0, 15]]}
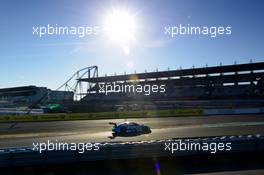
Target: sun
{"points": [[120, 27]]}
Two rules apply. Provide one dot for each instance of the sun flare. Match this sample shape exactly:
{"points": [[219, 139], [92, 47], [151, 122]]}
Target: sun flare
{"points": [[120, 27]]}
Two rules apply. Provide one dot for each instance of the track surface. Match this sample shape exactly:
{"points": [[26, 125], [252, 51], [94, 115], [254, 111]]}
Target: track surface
{"points": [[24, 134]]}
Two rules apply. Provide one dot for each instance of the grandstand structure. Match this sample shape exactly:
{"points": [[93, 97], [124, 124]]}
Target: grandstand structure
{"points": [[30, 95], [238, 81], [238, 85]]}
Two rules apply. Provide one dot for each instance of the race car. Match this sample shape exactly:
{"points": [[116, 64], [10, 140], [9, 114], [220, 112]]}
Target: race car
{"points": [[129, 129]]}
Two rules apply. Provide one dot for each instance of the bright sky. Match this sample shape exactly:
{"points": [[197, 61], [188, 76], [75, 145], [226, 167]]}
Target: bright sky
{"points": [[27, 59]]}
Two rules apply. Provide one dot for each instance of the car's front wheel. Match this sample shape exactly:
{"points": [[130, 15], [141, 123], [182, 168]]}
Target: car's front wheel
{"points": [[146, 129]]}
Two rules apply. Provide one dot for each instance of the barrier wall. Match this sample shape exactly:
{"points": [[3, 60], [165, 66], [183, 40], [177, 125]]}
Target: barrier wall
{"points": [[102, 115], [129, 114], [19, 111]]}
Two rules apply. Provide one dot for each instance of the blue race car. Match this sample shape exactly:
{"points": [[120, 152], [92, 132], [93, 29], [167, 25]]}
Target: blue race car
{"points": [[129, 129]]}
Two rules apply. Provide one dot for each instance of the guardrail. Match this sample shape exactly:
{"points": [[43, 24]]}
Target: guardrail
{"points": [[129, 114], [102, 115], [20, 111], [20, 156]]}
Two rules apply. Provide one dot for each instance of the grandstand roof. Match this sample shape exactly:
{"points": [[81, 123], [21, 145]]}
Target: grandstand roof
{"points": [[184, 72], [22, 90]]}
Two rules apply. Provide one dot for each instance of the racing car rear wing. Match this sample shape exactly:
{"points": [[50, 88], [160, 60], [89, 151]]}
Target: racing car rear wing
{"points": [[113, 123]]}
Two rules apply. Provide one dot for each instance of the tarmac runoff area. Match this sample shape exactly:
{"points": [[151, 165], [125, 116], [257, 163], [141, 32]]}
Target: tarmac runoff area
{"points": [[82, 131]]}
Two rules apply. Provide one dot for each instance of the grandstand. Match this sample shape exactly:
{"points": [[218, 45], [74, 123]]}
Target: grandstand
{"points": [[219, 86], [28, 95], [239, 85], [219, 82]]}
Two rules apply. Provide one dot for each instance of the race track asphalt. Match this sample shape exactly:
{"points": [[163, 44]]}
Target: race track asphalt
{"points": [[82, 131]]}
